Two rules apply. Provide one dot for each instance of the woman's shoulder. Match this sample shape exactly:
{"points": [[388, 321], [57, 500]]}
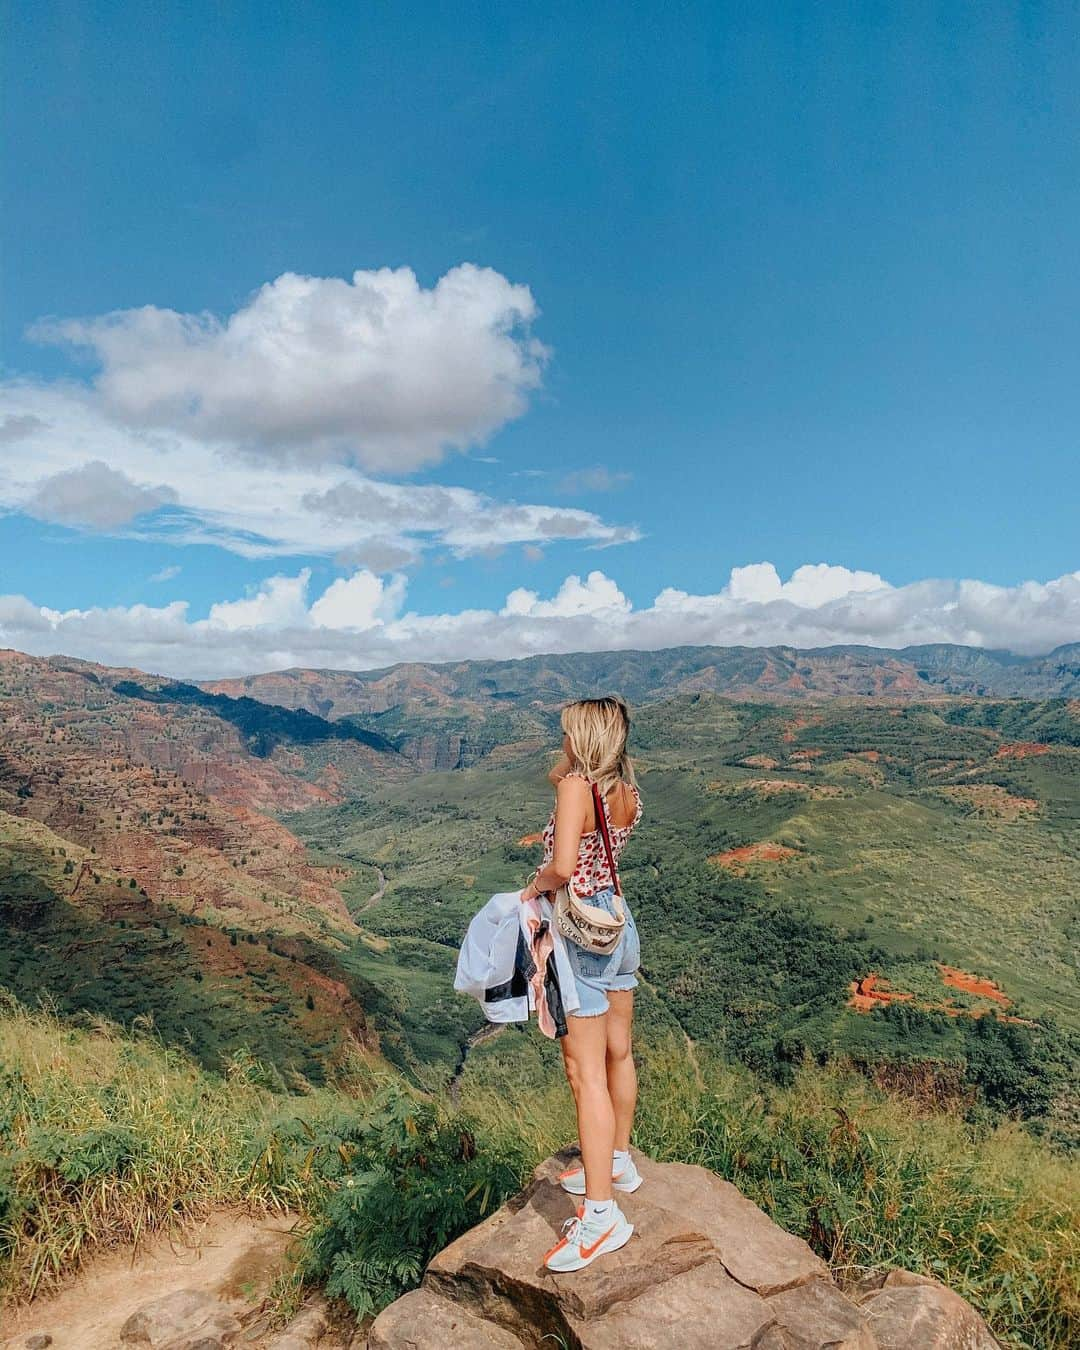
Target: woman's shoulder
{"points": [[573, 784]]}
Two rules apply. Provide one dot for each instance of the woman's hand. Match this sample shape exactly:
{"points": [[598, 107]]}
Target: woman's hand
{"points": [[530, 891]]}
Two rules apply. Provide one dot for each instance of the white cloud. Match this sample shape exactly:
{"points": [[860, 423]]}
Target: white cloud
{"points": [[93, 494], [358, 602], [376, 370], [166, 574], [810, 585], [280, 602], [360, 622], [592, 596], [255, 508]]}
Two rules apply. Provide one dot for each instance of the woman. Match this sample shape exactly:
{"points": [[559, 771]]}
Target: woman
{"points": [[597, 1047]]}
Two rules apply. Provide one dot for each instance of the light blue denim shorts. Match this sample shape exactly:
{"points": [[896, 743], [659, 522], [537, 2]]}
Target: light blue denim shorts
{"points": [[596, 975]]}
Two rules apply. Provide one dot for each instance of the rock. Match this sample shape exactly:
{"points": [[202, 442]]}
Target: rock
{"points": [[914, 1312], [705, 1270], [817, 1314], [423, 1319], [187, 1319], [38, 1341], [684, 1218], [303, 1331], [701, 1307]]}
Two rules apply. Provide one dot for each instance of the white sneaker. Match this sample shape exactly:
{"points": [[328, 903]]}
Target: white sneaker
{"points": [[586, 1239], [629, 1179]]}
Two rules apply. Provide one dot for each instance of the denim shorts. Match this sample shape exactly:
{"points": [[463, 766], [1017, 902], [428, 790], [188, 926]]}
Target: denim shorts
{"points": [[596, 975]]}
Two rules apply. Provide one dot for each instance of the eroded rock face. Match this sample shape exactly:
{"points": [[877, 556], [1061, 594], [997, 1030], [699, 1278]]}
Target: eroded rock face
{"points": [[705, 1270]]}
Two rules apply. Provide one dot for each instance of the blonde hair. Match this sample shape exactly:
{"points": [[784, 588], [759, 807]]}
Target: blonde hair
{"points": [[598, 729]]}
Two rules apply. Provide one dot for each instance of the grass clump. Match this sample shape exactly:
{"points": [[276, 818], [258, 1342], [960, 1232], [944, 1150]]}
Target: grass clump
{"points": [[106, 1136]]}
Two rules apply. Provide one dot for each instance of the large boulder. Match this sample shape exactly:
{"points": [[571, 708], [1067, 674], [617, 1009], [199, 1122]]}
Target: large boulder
{"points": [[705, 1270], [909, 1310], [186, 1319]]}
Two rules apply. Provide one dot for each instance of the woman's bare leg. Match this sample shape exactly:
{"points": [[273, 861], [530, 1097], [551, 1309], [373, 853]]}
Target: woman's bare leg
{"points": [[584, 1050], [621, 1073]]}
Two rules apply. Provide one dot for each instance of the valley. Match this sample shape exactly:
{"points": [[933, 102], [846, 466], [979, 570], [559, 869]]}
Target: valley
{"points": [[291, 878]]}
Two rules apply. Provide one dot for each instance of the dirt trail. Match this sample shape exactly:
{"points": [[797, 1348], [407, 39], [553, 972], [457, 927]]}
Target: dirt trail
{"points": [[228, 1254], [374, 899]]}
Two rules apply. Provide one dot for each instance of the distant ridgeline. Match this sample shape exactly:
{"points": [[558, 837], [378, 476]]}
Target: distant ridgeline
{"points": [[745, 672]]}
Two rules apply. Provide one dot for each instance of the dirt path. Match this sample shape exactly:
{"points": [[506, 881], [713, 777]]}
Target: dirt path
{"points": [[228, 1254], [374, 899]]}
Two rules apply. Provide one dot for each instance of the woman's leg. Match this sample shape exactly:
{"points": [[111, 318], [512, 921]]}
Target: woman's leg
{"points": [[621, 1074], [584, 1050]]}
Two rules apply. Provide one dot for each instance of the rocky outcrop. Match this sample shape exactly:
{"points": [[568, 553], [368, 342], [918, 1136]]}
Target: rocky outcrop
{"points": [[705, 1268]]}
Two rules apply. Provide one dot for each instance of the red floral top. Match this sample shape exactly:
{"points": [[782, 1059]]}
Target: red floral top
{"points": [[592, 872]]}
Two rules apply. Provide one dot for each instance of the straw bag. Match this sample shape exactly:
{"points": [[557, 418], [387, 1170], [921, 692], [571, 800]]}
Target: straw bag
{"points": [[586, 925]]}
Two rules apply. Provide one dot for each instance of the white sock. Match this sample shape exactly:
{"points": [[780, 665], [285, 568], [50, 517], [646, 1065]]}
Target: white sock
{"points": [[597, 1211], [621, 1160]]}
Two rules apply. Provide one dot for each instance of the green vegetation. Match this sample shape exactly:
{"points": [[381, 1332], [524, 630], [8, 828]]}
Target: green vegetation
{"points": [[787, 853], [907, 849], [105, 1135]]}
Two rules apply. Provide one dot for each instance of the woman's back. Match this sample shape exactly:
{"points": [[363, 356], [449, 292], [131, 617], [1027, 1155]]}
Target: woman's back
{"points": [[592, 873]]}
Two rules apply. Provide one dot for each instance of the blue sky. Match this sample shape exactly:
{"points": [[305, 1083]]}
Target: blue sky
{"points": [[804, 276]]}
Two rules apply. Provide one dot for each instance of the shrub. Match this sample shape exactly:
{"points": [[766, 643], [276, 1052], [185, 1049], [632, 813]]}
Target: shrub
{"points": [[406, 1177]]}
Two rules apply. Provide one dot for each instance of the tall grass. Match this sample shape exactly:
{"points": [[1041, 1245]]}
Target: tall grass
{"points": [[106, 1136]]}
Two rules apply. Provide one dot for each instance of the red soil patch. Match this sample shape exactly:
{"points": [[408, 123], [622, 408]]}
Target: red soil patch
{"points": [[806, 754], [872, 991], [872, 755], [1022, 750], [763, 851], [972, 984], [528, 840], [760, 762]]}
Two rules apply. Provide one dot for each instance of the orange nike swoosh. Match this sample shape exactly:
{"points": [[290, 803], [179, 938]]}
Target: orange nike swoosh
{"points": [[588, 1251]]}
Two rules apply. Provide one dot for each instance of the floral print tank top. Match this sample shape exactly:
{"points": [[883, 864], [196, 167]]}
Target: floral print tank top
{"points": [[592, 872]]}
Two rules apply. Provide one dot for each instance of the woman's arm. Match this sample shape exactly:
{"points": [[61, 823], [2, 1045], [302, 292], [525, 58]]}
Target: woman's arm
{"points": [[572, 797]]}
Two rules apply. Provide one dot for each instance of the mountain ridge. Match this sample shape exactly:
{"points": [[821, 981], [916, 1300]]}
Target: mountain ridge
{"points": [[780, 672]]}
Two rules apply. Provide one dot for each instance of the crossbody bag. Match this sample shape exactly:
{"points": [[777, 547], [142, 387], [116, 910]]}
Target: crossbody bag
{"points": [[589, 926]]}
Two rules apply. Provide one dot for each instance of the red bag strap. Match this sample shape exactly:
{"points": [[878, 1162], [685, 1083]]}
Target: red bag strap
{"points": [[602, 826]]}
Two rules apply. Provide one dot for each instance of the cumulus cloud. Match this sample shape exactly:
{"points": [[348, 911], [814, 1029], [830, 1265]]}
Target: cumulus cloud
{"points": [[376, 370], [280, 602], [359, 602], [594, 595], [360, 621], [95, 495], [166, 573], [85, 464]]}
